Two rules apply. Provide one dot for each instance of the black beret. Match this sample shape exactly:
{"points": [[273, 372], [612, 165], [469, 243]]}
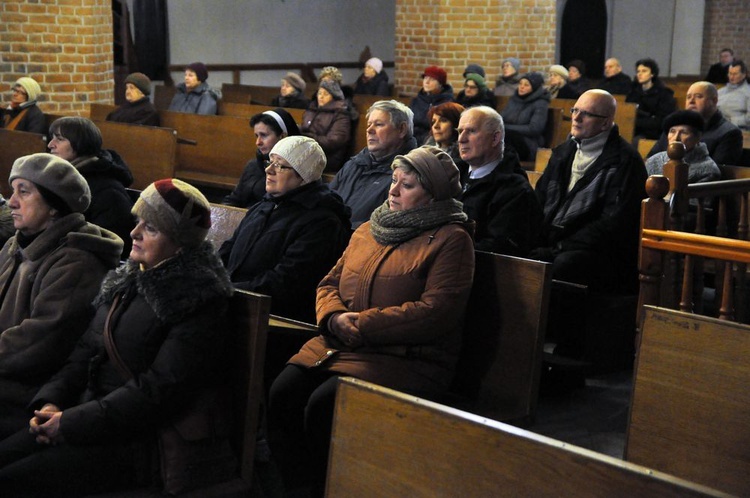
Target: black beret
{"points": [[688, 118]]}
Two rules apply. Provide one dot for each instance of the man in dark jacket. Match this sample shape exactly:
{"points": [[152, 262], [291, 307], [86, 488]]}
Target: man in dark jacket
{"points": [[591, 194], [722, 138], [364, 180], [497, 195], [717, 73], [615, 81]]}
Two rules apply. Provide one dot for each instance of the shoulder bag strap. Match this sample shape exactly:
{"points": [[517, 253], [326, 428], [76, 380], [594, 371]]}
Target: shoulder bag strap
{"points": [[109, 343], [11, 125]]}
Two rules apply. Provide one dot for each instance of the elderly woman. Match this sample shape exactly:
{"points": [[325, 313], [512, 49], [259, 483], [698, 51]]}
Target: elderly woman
{"points": [[269, 127], [655, 100], [507, 83], [23, 113], [525, 116], [444, 130], [79, 141], [435, 91], [156, 339], [557, 83], [194, 95], [475, 92], [577, 80], [292, 92], [138, 109], [328, 121], [389, 312], [373, 80], [50, 272]]}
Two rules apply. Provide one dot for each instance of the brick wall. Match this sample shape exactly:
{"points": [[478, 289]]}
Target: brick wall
{"points": [[65, 45], [727, 24], [453, 33]]}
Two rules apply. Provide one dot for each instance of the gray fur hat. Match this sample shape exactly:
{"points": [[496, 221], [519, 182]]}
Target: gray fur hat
{"points": [[333, 88]]}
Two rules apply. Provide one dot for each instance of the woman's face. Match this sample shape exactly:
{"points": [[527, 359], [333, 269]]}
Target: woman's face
{"points": [[573, 73], [442, 130], [430, 85], [265, 138], [556, 80], [685, 134], [150, 246], [369, 72], [324, 97], [281, 177], [524, 87], [508, 69], [470, 88], [30, 212], [643, 73], [61, 147], [18, 95], [406, 192], [191, 79], [132, 93], [286, 88]]}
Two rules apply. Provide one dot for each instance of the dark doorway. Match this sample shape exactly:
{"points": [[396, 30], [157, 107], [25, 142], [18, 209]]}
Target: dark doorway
{"points": [[584, 35]]}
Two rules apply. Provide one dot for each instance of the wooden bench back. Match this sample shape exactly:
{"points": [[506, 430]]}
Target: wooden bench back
{"points": [[644, 147], [690, 403], [385, 443], [163, 95], [99, 112], [498, 371], [247, 111], [15, 144], [624, 117], [262, 95], [240, 94], [224, 221]]}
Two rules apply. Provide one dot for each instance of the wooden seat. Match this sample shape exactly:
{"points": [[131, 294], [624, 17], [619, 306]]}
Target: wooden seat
{"points": [[224, 221], [247, 111], [240, 94], [163, 95], [690, 404], [644, 147], [624, 117], [15, 144], [385, 443]]}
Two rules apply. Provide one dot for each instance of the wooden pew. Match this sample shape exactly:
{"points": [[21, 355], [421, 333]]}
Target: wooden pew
{"points": [[247, 111], [385, 443], [644, 147], [240, 94], [99, 112], [690, 403], [624, 117], [15, 144], [498, 371], [264, 95], [224, 221], [163, 95]]}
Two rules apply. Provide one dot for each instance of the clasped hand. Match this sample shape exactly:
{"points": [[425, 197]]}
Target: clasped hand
{"points": [[46, 425], [345, 326]]}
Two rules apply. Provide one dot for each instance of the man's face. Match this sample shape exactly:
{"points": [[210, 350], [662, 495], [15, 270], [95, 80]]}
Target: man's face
{"points": [[383, 138], [735, 74], [725, 58], [476, 144], [697, 99], [586, 125], [612, 68]]}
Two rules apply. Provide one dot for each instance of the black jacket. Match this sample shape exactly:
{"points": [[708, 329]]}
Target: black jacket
{"points": [[619, 84], [252, 185], [285, 245], [295, 101], [140, 112], [421, 104], [33, 121], [483, 97], [654, 105], [377, 85]]}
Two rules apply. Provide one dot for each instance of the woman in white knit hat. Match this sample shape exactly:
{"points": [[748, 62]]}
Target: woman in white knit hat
{"points": [[373, 80], [23, 113]]}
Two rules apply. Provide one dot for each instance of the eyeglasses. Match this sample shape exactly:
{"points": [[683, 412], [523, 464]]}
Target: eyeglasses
{"points": [[473, 87], [20, 90], [279, 167], [586, 114]]}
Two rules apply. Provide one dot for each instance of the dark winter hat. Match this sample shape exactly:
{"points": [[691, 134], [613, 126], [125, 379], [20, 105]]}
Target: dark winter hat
{"points": [[57, 176], [177, 209], [686, 118], [296, 81], [578, 64], [199, 69], [535, 80], [476, 69], [333, 88], [438, 171], [437, 73], [283, 119], [141, 82], [516, 63]]}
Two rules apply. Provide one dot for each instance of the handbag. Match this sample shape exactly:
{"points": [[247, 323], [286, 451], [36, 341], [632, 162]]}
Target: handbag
{"points": [[194, 447]]}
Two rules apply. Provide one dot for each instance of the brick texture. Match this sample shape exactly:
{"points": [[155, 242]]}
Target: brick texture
{"points": [[727, 24], [65, 45]]}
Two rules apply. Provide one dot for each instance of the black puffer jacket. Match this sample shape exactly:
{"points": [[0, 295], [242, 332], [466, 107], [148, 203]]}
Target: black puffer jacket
{"points": [[33, 121], [140, 112], [421, 104], [377, 85], [654, 105], [252, 185]]}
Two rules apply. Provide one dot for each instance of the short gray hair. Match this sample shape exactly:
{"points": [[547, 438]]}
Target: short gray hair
{"points": [[398, 112], [492, 122]]}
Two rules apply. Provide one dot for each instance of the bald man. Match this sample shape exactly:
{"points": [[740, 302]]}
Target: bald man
{"points": [[615, 81], [722, 138]]}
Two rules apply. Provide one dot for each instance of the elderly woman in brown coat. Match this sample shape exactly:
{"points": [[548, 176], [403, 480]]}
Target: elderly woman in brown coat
{"points": [[389, 312]]}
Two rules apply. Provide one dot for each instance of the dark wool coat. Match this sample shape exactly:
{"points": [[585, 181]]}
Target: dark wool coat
{"points": [[377, 85], [140, 112], [654, 105], [295, 101], [200, 100], [331, 127], [33, 121], [364, 181], [504, 207], [411, 299], [252, 185], [527, 117], [168, 329], [286, 244], [108, 176], [421, 104], [483, 97], [619, 84]]}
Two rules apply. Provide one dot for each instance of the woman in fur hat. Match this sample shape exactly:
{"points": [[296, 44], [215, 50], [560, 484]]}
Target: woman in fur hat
{"points": [[23, 113], [155, 340], [292, 93]]}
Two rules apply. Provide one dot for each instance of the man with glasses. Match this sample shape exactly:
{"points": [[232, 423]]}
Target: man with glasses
{"points": [[23, 114]]}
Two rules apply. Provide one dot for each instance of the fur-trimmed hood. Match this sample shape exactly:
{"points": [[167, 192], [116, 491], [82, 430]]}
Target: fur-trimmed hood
{"points": [[175, 288]]}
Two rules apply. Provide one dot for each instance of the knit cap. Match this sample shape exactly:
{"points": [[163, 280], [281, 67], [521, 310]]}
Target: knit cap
{"points": [[56, 175], [303, 154], [535, 80], [199, 69], [516, 63], [476, 69], [177, 209], [141, 82], [687, 118], [331, 72], [375, 63], [560, 70], [476, 78], [437, 73], [296, 81], [333, 88], [30, 86], [438, 171]]}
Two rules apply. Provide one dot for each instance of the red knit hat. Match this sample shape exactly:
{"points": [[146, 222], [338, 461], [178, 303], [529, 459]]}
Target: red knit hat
{"points": [[437, 73]]}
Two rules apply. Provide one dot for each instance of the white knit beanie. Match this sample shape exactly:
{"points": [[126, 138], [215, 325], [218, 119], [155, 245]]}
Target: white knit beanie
{"points": [[303, 154], [375, 63], [30, 86]]}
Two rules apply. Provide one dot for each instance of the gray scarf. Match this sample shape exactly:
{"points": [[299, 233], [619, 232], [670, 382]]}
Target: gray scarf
{"points": [[393, 227]]}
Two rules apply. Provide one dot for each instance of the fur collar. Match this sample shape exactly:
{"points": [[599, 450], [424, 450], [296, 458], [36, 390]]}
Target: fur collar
{"points": [[177, 287]]}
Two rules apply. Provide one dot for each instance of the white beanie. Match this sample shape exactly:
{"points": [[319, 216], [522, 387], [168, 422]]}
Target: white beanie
{"points": [[559, 70], [375, 63], [30, 86], [303, 154]]}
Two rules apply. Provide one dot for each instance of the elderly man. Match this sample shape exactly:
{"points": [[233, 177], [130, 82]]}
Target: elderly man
{"points": [[591, 195], [364, 180], [722, 138], [717, 73], [615, 81], [734, 98], [497, 195]]}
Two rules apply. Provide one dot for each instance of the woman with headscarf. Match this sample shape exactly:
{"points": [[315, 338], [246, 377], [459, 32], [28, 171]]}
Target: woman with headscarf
{"points": [[138, 109], [269, 127], [156, 339], [655, 100], [389, 312], [525, 116], [373, 80], [194, 95], [327, 120], [292, 93], [23, 113], [50, 271]]}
